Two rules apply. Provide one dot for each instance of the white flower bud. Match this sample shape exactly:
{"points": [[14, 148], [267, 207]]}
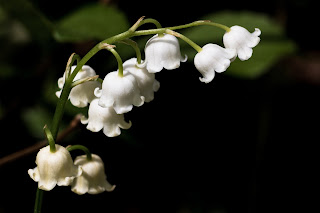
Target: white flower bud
{"points": [[106, 119], [212, 58], [242, 41], [146, 81], [54, 168], [93, 179], [118, 92], [163, 52], [82, 94]]}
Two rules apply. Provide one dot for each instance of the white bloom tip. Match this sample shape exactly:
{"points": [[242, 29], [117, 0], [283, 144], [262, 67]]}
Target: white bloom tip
{"points": [[257, 32], [84, 119], [142, 65], [111, 189], [97, 92], [58, 93], [184, 59]]}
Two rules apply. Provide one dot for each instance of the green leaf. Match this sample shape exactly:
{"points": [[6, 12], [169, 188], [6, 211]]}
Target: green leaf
{"points": [[35, 22], [35, 118], [249, 20], [6, 71], [265, 55], [93, 21], [273, 45]]}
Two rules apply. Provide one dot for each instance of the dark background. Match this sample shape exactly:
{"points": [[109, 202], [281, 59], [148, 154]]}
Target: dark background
{"points": [[230, 146]]}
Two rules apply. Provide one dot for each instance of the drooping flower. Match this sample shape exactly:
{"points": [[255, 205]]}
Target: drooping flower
{"points": [[106, 119], [212, 58], [93, 179], [54, 168], [146, 81], [163, 52], [82, 94], [118, 92], [242, 41]]}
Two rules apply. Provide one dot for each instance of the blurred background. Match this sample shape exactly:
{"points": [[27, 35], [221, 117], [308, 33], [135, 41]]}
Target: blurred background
{"points": [[243, 143]]}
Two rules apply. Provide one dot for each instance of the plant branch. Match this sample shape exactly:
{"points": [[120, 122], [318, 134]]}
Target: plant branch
{"points": [[34, 148]]}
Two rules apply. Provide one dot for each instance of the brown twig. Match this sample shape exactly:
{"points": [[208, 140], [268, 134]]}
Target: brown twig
{"points": [[31, 149]]}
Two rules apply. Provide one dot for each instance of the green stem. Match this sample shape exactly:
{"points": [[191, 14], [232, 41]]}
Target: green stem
{"points": [[116, 55], [199, 23], [192, 24], [83, 148], [71, 60], [136, 25], [186, 39], [50, 139], [151, 20], [119, 60], [135, 46], [84, 80], [60, 109], [38, 203]]}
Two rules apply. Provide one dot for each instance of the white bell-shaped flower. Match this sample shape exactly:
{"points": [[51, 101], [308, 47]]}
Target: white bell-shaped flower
{"points": [[242, 41], [93, 179], [81, 94], [163, 52], [212, 58], [118, 92], [54, 168], [146, 81], [106, 119]]}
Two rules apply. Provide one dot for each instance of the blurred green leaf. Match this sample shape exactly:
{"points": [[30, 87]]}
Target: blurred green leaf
{"points": [[93, 21], [3, 15], [249, 20], [37, 24], [265, 55], [35, 118], [6, 71], [273, 45]]}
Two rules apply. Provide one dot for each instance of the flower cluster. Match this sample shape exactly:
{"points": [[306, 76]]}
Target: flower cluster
{"points": [[214, 58], [119, 93], [131, 85], [136, 84], [57, 168]]}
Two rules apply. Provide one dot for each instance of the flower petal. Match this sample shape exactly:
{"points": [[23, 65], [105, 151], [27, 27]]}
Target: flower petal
{"points": [[34, 174], [163, 52], [184, 59], [124, 125], [207, 76], [156, 85], [121, 109], [244, 53], [47, 184], [80, 185]]}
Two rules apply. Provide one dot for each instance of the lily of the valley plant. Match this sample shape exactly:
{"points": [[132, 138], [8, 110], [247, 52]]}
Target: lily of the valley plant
{"points": [[132, 84]]}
